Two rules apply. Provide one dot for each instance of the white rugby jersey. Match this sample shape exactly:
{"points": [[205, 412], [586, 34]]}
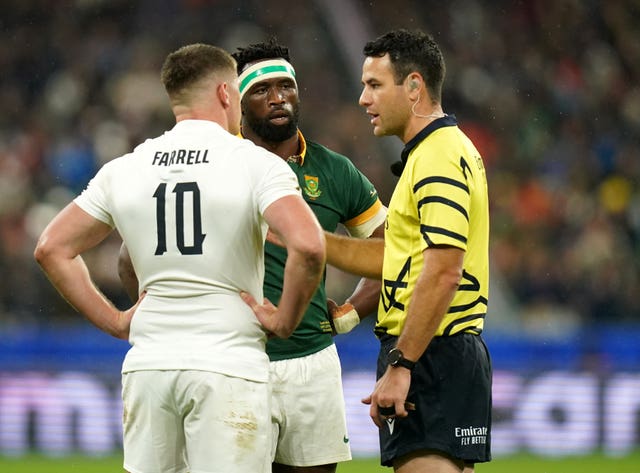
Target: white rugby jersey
{"points": [[189, 207]]}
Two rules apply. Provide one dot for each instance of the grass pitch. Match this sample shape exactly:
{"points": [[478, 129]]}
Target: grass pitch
{"points": [[519, 463]]}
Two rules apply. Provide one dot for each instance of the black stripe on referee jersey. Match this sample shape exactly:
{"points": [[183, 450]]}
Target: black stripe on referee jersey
{"points": [[426, 229], [464, 307], [474, 284], [440, 180], [449, 330], [464, 166], [443, 200], [390, 287]]}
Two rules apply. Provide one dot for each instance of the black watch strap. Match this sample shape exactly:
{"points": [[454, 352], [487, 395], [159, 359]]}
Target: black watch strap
{"points": [[396, 358]]}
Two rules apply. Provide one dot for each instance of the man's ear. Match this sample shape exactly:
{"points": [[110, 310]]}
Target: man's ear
{"points": [[223, 95], [414, 81]]}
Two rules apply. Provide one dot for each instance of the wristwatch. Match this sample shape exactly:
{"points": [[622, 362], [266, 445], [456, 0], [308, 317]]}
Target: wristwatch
{"points": [[396, 358]]}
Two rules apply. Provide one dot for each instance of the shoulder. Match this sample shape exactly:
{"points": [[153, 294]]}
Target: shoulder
{"points": [[145, 144], [262, 165], [332, 162], [316, 150], [253, 153], [442, 153], [118, 164]]}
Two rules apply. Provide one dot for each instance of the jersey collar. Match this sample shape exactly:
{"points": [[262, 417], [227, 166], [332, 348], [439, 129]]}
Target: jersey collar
{"points": [[447, 120], [299, 158]]}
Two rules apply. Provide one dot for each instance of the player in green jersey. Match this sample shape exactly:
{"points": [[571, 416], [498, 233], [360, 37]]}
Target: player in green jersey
{"points": [[308, 406]]}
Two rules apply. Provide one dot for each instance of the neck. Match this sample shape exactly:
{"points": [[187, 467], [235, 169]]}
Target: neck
{"points": [[211, 115], [436, 112], [419, 120]]}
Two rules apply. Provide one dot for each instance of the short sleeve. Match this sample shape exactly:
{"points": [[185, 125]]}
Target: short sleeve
{"points": [[276, 180], [94, 198]]}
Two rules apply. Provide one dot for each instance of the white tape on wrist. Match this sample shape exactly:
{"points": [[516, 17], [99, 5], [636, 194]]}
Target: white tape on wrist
{"points": [[347, 322]]}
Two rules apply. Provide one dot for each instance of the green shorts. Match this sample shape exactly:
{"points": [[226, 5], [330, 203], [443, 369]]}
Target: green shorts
{"points": [[451, 390]]}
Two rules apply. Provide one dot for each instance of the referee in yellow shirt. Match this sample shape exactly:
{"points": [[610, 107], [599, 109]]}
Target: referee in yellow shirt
{"points": [[432, 401]]}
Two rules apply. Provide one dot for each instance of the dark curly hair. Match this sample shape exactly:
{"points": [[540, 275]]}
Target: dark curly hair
{"points": [[411, 51], [258, 51]]}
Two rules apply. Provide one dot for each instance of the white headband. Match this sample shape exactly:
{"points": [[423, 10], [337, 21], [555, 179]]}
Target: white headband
{"points": [[265, 70]]}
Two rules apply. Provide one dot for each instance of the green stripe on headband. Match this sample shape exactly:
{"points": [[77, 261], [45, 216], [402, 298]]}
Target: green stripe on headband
{"points": [[268, 69]]}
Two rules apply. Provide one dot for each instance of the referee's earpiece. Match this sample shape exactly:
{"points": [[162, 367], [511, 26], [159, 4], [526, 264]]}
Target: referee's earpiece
{"points": [[413, 84]]}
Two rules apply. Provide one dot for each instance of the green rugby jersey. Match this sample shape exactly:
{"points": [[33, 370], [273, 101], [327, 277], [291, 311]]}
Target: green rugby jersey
{"points": [[440, 199], [337, 192]]}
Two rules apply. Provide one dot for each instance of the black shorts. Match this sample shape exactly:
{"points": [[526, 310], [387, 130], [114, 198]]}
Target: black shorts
{"points": [[451, 390]]}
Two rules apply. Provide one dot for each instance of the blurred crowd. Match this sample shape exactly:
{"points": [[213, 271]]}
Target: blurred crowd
{"points": [[548, 89]]}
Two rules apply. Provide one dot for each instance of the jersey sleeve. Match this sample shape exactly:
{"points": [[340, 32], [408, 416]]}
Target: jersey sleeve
{"points": [[364, 211], [366, 223], [441, 196], [94, 198], [276, 180]]}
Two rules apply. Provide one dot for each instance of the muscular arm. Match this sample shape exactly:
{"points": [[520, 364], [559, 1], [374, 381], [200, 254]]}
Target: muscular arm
{"points": [[432, 296], [356, 256], [366, 295], [58, 252], [362, 303], [293, 222]]}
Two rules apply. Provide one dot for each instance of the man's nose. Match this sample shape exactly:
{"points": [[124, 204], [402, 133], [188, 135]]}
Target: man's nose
{"points": [[276, 95], [363, 100]]}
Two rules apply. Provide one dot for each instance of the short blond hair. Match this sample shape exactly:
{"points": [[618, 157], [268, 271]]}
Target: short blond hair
{"points": [[186, 68]]}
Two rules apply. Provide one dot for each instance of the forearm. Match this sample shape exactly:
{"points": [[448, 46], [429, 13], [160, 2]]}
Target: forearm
{"points": [[364, 300], [423, 319], [365, 297], [68, 235], [431, 299], [71, 279], [356, 256], [359, 305]]}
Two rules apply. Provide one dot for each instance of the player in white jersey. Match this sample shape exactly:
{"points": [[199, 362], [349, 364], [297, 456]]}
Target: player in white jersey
{"points": [[193, 207]]}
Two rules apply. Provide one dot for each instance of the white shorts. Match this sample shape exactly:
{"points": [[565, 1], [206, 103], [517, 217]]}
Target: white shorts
{"points": [[196, 421], [308, 411]]}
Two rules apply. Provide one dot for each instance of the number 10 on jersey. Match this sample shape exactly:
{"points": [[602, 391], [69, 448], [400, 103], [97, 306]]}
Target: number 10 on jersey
{"points": [[180, 189]]}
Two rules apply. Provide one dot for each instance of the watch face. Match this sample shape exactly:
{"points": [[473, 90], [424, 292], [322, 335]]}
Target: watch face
{"points": [[394, 356]]}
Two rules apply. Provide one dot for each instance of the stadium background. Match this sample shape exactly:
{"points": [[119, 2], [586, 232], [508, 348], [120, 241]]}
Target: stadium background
{"points": [[549, 91]]}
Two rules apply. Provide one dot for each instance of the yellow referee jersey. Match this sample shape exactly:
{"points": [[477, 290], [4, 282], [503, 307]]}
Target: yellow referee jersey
{"points": [[441, 199]]}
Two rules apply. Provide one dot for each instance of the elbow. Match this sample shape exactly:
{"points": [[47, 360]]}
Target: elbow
{"points": [[42, 253], [452, 279], [319, 247], [317, 258], [314, 253]]}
